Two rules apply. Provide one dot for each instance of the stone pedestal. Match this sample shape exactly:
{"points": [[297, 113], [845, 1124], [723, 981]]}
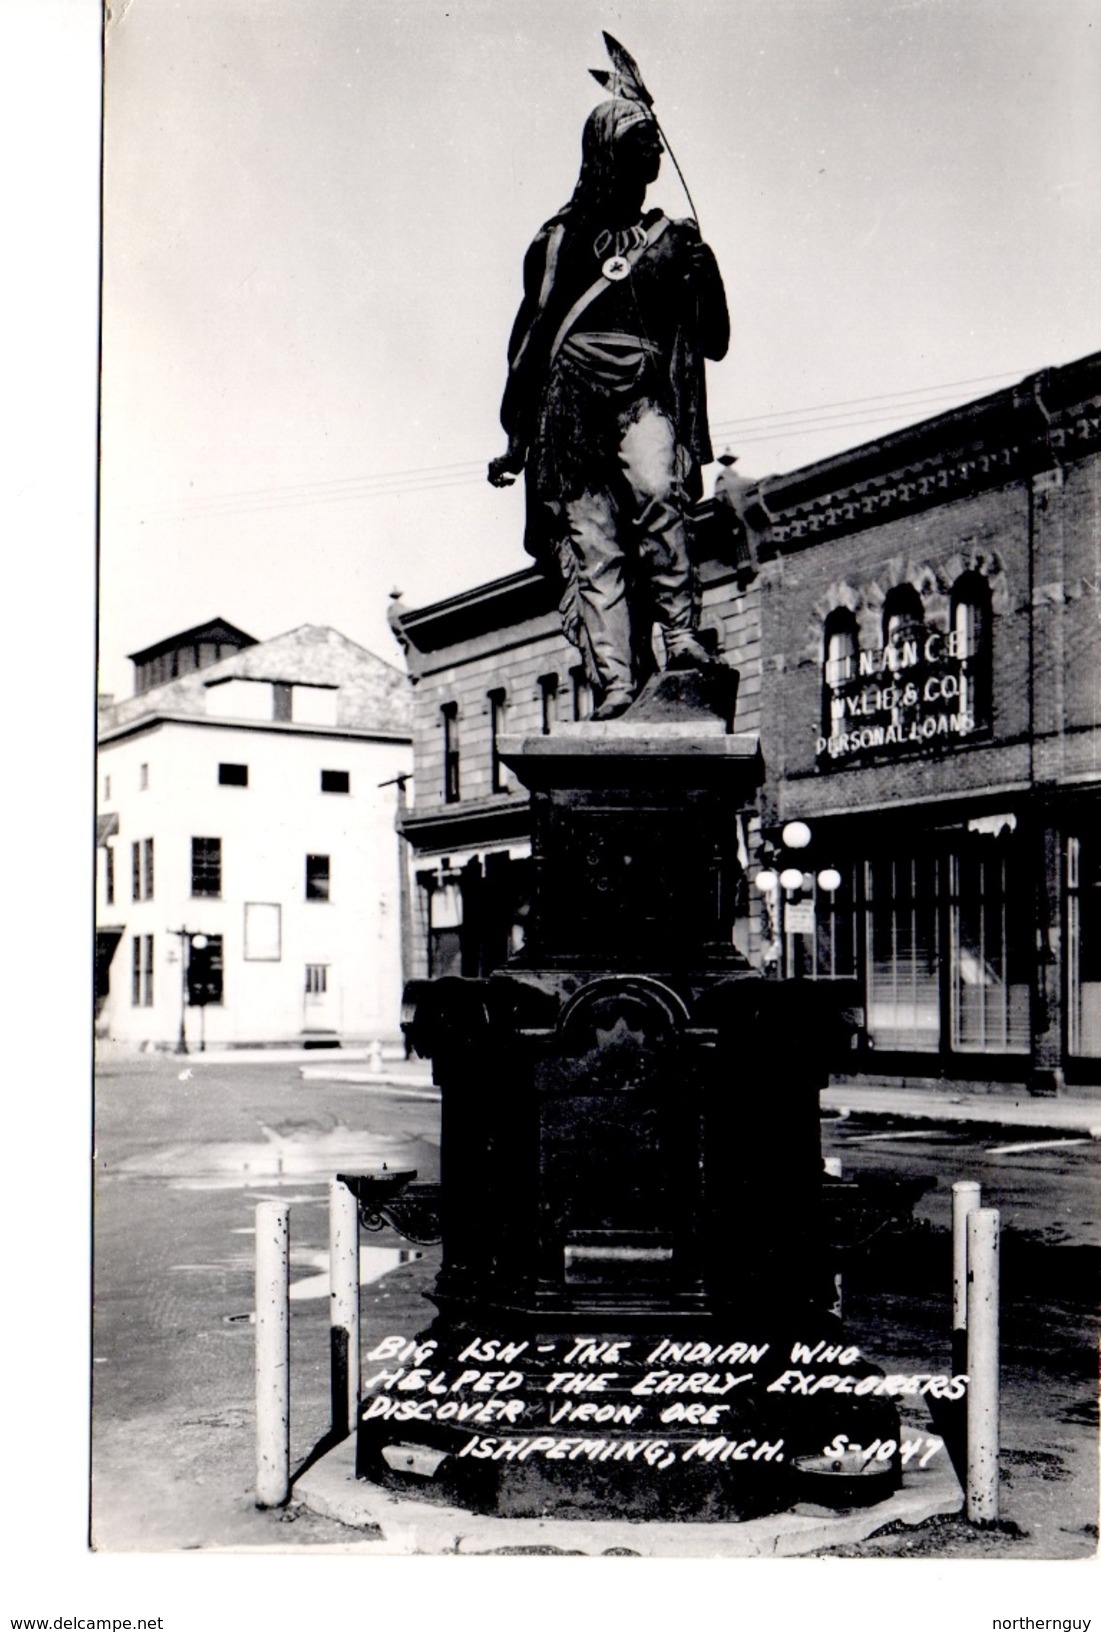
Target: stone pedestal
{"points": [[630, 1139]]}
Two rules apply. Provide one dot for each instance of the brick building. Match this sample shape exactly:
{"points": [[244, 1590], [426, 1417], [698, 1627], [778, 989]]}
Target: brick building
{"points": [[915, 622]]}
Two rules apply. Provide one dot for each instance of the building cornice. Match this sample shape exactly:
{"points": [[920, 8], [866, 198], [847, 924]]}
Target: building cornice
{"points": [[1048, 420], [459, 826], [293, 728]]}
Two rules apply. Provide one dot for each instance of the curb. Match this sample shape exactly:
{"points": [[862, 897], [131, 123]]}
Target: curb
{"points": [[410, 1087], [1054, 1118], [410, 1527]]}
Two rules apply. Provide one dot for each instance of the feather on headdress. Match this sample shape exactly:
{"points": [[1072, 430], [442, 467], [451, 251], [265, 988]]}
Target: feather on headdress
{"points": [[626, 82]]}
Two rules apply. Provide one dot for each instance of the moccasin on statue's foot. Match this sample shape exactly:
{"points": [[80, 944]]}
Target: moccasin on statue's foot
{"points": [[614, 704], [687, 653]]}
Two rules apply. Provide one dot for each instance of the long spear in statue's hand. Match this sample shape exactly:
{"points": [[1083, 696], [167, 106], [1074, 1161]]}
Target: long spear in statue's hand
{"points": [[627, 82]]}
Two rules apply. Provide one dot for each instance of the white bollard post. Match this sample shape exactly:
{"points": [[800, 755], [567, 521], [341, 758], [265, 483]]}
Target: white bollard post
{"points": [[273, 1354], [344, 1305], [966, 1198], [983, 1229]]}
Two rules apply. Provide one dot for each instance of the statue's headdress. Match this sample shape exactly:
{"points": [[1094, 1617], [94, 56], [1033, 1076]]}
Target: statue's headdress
{"points": [[626, 85], [625, 81], [605, 125]]}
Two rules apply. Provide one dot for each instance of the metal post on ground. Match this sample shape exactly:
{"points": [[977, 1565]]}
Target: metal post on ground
{"points": [[983, 1230], [831, 1168], [184, 937], [344, 1306], [950, 1416], [273, 1358], [966, 1198]]}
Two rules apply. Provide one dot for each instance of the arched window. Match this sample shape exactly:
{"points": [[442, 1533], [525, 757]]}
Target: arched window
{"points": [[839, 642], [970, 625], [903, 622]]}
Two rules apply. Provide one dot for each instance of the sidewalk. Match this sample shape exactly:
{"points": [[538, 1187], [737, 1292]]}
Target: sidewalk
{"points": [[356, 1063], [1008, 1108]]}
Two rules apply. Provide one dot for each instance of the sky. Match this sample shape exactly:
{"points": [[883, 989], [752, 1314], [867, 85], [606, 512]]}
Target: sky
{"points": [[315, 217]]}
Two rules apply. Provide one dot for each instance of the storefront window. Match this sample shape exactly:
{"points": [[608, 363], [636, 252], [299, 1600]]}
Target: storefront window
{"points": [[1084, 947], [830, 953], [445, 916], [989, 948], [903, 998]]}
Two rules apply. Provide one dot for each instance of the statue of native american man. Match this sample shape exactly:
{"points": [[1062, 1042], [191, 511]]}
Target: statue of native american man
{"points": [[605, 406]]}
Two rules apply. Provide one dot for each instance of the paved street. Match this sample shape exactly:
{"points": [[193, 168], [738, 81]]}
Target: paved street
{"points": [[186, 1150], [898, 1303], [187, 1147]]}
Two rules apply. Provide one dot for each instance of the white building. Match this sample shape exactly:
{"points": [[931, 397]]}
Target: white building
{"points": [[249, 881]]}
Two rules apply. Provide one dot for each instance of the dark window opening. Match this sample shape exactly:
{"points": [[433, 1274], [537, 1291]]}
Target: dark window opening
{"points": [[970, 639], [449, 715], [336, 782], [109, 875], [206, 867], [317, 979], [141, 870], [317, 878], [147, 971], [233, 776], [498, 777], [281, 706], [903, 620], [205, 971], [548, 702]]}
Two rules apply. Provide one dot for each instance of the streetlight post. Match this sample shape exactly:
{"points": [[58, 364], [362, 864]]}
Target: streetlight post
{"points": [[187, 938], [184, 938]]}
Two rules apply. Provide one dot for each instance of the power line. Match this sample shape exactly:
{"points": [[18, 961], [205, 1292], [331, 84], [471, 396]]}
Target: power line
{"points": [[887, 396], [781, 425]]}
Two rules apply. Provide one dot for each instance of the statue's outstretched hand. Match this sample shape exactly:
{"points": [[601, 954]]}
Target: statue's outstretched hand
{"points": [[503, 470]]}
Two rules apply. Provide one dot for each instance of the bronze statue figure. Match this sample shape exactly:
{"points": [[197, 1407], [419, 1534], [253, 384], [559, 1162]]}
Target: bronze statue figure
{"points": [[605, 407]]}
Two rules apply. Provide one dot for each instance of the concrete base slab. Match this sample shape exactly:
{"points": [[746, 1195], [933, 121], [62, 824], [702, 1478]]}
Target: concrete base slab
{"points": [[409, 1526]]}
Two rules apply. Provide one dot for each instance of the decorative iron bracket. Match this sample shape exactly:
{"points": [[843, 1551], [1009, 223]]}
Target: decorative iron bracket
{"points": [[389, 1197]]}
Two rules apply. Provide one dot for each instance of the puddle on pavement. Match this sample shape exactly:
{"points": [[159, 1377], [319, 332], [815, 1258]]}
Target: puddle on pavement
{"points": [[374, 1263], [301, 1155]]}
